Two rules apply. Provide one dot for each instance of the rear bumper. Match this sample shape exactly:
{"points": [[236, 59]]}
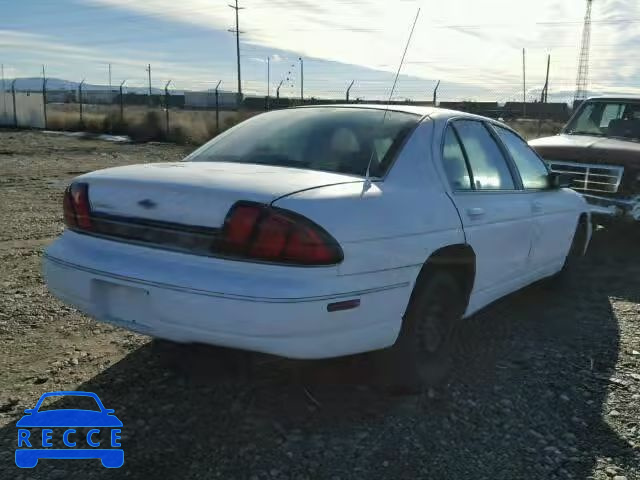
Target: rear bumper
{"points": [[185, 298], [614, 208]]}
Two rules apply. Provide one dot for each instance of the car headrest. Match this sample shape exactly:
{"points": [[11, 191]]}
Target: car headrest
{"points": [[344, 140], [624, 128]]}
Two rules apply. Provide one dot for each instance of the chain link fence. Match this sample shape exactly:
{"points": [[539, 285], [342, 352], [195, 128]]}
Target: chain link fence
{"points": [[196, 116]]}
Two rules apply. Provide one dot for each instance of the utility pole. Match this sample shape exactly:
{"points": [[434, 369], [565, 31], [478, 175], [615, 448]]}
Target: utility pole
{"points": [[237, 32], [545, 90], [109, 78], [524, 83], [435, 93], [349, 89], [301, 79], [148, 69]]}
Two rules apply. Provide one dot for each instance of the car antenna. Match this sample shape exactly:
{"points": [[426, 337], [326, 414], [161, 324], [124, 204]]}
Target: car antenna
{"points": [[367, 178]]}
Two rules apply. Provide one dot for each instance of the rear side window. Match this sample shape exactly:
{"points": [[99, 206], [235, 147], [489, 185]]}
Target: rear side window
{"points": [[532, 171], [454, 162], [488, 165]]}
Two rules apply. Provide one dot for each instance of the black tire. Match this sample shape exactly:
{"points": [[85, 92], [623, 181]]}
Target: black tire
{"points": [[425, 346]]}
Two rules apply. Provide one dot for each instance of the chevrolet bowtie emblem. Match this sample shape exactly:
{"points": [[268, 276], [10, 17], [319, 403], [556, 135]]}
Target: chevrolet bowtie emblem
{"points": [[146, 203]]}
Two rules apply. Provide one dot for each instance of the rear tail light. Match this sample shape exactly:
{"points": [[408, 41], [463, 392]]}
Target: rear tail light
{"points": [[77, 211], [260, 232]]}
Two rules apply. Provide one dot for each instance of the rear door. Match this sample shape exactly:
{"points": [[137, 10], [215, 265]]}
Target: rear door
{"points": [[496, 216], [554, 218]]}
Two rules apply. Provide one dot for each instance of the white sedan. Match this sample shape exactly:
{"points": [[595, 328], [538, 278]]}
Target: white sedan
{"points": [[319, 232]]}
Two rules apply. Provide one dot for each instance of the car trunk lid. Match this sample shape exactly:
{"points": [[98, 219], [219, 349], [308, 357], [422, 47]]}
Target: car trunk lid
{"points": [[195, 193]]}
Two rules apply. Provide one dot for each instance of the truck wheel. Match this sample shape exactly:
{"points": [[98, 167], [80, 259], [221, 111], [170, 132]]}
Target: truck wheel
{"points": [[425, 344]]}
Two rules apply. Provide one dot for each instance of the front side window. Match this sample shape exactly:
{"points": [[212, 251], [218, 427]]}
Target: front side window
{"points": [[488, 165], [343, 140], [532, 171]]}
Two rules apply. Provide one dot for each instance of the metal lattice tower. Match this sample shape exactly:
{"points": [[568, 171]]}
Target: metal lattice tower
{"points": [[582, 80]]}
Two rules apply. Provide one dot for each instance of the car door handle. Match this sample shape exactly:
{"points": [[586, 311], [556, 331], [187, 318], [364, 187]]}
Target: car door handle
{"points": [[475, 212], [537, 207]]}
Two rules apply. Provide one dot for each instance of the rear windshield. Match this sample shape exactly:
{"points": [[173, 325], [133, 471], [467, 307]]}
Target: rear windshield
{"points": [[341, 140]]}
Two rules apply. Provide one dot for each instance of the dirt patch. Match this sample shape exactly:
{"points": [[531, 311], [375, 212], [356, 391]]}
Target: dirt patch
{"points": [[546, 383]]}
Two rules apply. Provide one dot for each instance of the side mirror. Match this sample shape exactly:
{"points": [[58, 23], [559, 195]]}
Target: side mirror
{"points": [[559, 180]]}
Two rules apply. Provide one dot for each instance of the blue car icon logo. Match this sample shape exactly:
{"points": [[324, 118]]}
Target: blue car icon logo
{"points": [[31, 448]]}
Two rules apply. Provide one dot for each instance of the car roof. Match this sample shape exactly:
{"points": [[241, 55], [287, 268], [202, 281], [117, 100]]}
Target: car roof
{"points": [[617, 98], [422, 110]]}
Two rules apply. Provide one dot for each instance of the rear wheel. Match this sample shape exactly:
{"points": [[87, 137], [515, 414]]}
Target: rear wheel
{"points": [[426, 341]]}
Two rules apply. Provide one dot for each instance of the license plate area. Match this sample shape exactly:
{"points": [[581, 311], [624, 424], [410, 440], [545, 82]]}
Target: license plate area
{"points": [[121, 305]]}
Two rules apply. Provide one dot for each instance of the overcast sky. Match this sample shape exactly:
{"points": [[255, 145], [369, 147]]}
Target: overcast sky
{"points": [[474, 47]]}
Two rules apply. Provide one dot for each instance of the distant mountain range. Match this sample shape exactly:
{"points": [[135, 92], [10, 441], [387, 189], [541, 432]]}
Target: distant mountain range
{"points": [[35, 84]]}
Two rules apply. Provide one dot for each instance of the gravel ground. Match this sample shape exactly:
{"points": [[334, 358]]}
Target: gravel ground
{"points": [[546, 383]]}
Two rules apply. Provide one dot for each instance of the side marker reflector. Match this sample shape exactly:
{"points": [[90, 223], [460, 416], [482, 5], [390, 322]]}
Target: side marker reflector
{"points": [[346, 305]]}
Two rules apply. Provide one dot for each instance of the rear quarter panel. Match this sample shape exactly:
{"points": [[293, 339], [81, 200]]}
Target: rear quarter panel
{"points": [[391, 229]]}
